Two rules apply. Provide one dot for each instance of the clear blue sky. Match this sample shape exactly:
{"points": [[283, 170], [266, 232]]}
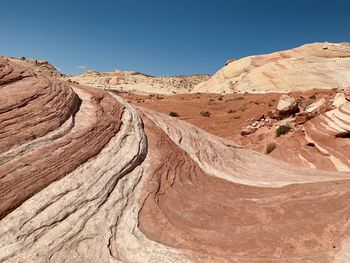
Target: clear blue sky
{"points": [[163, 37]]}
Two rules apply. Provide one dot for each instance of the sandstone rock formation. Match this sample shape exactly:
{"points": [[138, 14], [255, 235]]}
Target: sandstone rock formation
{"points": [[316, 105], [138, 82], [318, 65], [323, 142], [86, 177], [287, 104], [339, 100], [38, 66]]}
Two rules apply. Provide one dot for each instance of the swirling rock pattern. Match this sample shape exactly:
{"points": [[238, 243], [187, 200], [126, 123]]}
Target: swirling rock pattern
{"points": [[86, 177]]}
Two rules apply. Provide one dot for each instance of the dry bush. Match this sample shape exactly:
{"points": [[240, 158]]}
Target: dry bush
{"points": [[205, 113], [174, 114], [270, 147], [282, 129]]}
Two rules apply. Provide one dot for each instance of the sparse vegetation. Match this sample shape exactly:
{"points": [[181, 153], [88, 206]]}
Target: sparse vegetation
{"points": [[243, 109], [256, 103], [174, 114], [220, 98], [270, 147], [205, 113], [231, 111], [282, 129], [312, 97], [239, 98], [270, 104]]}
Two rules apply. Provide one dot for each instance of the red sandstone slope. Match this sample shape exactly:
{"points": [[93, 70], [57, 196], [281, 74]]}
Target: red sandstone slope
{"points": [[86, 177]]}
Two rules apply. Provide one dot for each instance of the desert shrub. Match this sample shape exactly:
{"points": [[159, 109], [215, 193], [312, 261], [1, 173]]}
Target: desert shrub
{"points": [[243, 109], [220, 98], [231, 111], [312, 97], [205, 113], [257, 103], [239, 98], [282, 129], [270, 104], [211, 100], [174, 114], [270, 147]]}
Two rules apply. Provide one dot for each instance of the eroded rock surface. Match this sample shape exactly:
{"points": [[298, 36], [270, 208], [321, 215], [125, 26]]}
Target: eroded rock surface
{"points": [[86, 177], [317, 65], [323, 142]]}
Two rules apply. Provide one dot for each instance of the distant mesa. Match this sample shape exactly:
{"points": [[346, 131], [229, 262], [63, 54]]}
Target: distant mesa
{"points": [[138, 82]]}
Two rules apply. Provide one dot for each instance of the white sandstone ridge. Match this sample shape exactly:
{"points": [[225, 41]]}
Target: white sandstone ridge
{"points": [[139, 82], [317, 65]]}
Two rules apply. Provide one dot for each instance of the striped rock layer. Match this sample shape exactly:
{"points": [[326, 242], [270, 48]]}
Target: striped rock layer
{"points": [[317, 65], [86, 177], [323, 143]]}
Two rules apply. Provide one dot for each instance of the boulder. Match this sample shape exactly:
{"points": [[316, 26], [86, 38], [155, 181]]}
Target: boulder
{"points": [[248, 130], [287, 105], [302, 118], [339, 100], [229, 61], [316, 105]]}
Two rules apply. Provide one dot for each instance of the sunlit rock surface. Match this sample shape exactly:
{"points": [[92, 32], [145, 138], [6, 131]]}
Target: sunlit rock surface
{"points": [[86, 177]]}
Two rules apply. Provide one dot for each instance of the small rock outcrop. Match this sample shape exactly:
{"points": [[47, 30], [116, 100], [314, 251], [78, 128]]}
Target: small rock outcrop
{"points": [[287, 105], [229, 61], [339, 100], [315, 106]]}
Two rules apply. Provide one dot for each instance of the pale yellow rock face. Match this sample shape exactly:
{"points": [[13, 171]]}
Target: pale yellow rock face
{"points": [[339, 100], [317, 65], [286, 103], [137, 82]]}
